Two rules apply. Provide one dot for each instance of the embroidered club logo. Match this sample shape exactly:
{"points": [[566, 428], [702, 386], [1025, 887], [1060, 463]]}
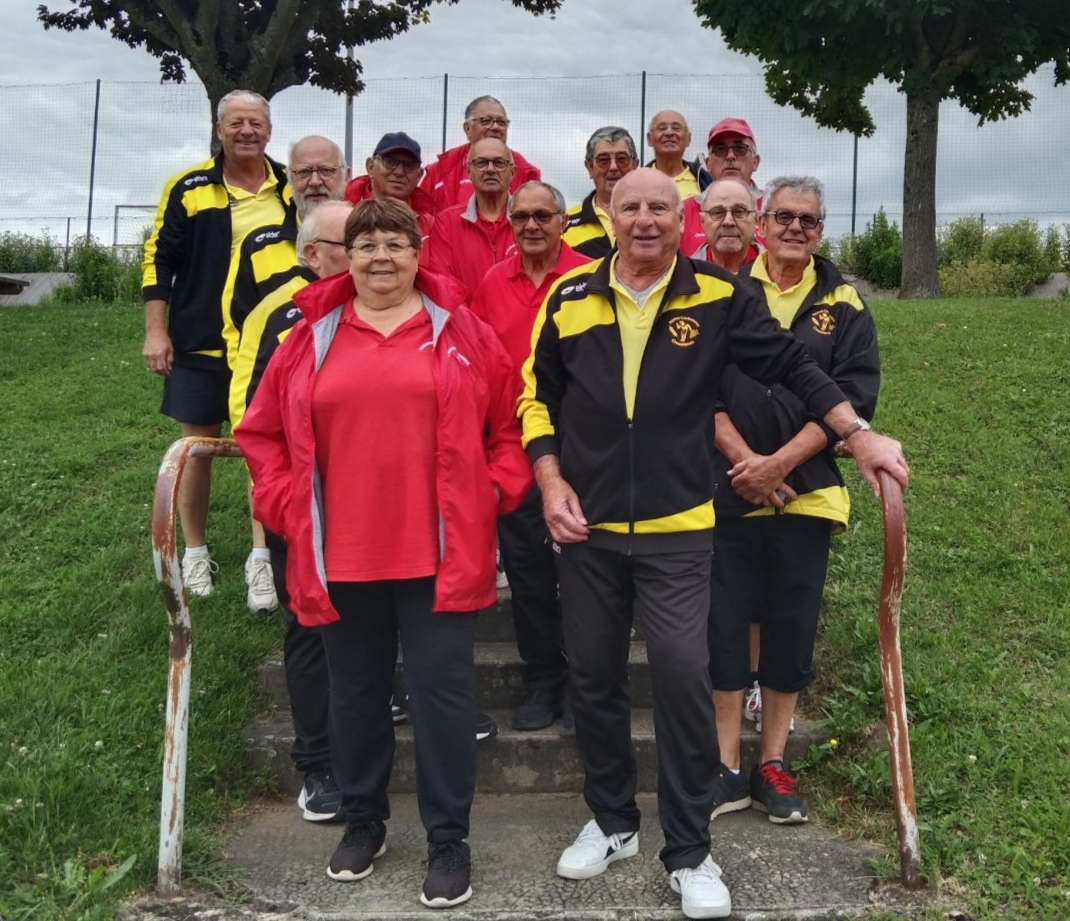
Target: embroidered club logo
{"points": [[823, 322], [683, 331]]}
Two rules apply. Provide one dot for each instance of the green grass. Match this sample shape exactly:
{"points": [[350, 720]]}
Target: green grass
{"points": [[976, 390]]}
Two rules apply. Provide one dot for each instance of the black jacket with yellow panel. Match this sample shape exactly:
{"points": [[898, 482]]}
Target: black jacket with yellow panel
{"points": [[584, 231], [187, 258], [837, 330], [644, 483]]}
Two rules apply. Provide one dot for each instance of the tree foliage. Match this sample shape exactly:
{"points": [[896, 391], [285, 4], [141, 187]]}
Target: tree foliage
{"points": [[821, 56], [261, 45]]}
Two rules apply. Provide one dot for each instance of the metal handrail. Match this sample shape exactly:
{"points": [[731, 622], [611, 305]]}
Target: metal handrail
{"points": [[169, 576]]}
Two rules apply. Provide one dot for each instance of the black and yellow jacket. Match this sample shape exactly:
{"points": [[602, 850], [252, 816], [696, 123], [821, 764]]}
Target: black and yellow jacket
{"points": [[187, 258], [644, 483], [265, 260], [584, 232], [836, 328]]}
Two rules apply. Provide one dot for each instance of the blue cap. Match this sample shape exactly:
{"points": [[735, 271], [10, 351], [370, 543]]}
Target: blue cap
{"points": [[397, 140]]}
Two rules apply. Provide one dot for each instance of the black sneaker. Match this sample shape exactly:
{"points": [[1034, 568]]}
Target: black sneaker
{"points": [[320, 797], [361, 844], [772, 790], [449, 875], [486, 726], [730, 792], [540, 708]]}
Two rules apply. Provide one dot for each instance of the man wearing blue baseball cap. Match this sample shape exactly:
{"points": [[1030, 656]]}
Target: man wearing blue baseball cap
{"points": [[394, 169]]}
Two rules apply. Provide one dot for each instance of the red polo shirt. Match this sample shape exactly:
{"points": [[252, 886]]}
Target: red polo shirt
{"points": [[509, 303]]}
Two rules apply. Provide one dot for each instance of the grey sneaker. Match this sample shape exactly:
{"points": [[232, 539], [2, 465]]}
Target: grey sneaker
{"points": [[261, 595], [197, 572], [772, 790], [731, 792]]}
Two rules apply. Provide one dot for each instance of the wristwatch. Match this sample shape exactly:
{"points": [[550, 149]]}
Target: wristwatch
{"points": [[859, 425]]}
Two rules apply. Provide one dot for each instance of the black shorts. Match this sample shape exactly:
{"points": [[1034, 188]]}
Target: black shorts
{"points": [[769, 570], [197, 396]]}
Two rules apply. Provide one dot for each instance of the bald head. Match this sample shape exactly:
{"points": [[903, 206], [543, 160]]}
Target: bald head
{"points": [[668, 134], [647, 217]]}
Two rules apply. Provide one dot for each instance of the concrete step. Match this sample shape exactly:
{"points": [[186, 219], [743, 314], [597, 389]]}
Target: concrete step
{"points": [[499, 677], [774, 873], [544, 761]]}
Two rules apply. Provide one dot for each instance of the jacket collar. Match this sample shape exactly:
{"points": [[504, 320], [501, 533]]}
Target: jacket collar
{"points": [[682, 282]]}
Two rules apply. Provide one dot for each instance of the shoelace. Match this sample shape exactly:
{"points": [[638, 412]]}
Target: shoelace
{"points": [[449, 856], [754, 700], [590, 831], [706, 871], [201, 567], [360, 831], [260, 579], [781, 781]]}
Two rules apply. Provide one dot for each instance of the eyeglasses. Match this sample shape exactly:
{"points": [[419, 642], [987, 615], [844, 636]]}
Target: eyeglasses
{"points": [[721, 150], [331, 242], [491, 121], [622, 160], [390, 164], [368, 250], [482, 164], [739, 213], [786, 217], [326, 173], [520, 218]]}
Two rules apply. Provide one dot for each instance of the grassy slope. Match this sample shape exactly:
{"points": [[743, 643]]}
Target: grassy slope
{"points": [[977, 392]]}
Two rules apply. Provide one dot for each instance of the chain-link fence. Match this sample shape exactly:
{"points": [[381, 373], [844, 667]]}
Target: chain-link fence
{"points": [[65, 167]]}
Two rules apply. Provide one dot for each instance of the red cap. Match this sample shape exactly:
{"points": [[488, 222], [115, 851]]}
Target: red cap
{"points": [[730, 126]]}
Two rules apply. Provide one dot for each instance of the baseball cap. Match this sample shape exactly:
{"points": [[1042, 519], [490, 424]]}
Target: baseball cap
{"points": [[397, 140], [730, 126]]}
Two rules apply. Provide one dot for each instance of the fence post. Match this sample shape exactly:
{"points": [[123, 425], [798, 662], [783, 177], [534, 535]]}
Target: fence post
{"points": [[854, 188], [93, 163], [445, 106], [349, 101], [67, 248], [642, 120]]}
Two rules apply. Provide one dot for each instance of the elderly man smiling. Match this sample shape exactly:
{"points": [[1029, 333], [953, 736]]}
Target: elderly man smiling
{"points": [[670, 137], [628, 500], [610, 154]]}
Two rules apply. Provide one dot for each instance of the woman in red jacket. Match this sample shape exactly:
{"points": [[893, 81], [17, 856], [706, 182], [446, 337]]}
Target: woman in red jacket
{"points": [[383, 444]]}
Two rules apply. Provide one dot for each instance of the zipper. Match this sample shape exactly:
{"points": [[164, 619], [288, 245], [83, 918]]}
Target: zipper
{"points": [[631, 484]]}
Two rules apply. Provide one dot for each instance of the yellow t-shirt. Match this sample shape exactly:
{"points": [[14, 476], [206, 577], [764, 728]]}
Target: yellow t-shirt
{"points": [[686, 184], [783, 305], [607, 224], [253, 209]]}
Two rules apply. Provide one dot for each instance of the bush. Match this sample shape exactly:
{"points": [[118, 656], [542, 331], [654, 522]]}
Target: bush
{"points": [[877, 254], [976, 277], [100, 274], [22, 253], [1018, 245], [961, 241]]}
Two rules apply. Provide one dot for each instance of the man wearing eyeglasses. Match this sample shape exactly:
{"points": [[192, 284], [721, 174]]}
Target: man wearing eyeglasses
{"points": [[447, 180], [394, 171], [610, 155], [466, 240], [729, 218], [780, 497], [509, 298], [669, 136], [619, 394], [731, 153]]}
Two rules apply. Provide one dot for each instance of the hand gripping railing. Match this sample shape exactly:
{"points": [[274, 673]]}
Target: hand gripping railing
{"points": [[895, 707], [169, 575]]}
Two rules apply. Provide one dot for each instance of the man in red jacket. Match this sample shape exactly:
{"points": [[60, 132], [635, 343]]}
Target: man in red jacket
{"points": [[468, 239], [447, 180], [394, 169], [508, 299]]}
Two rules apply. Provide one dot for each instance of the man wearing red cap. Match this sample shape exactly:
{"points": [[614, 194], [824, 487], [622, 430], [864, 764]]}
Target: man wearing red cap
{"points": [[447, 180], [732, 153], [394, 169]]}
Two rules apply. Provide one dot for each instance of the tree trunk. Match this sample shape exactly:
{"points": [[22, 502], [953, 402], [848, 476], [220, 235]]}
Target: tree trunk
{"points": [[920, 277], [215, 91]]}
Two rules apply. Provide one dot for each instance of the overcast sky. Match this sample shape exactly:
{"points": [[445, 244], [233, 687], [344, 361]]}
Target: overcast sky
{"points": [[980, 170]]}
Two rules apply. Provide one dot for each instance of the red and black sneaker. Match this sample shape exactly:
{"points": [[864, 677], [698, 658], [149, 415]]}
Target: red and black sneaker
{"points": [[772, 790]]}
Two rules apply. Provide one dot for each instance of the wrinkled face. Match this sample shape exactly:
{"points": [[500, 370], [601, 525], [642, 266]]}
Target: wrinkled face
{"points": [[244, 130], [669, 133], [488, 121], [316, 174], [383, 262], [326, 254], [728, 218], [490, 166], [791, 244], [732, 156], [537, 223], [611, 161], [394, 174], [647, 219]]}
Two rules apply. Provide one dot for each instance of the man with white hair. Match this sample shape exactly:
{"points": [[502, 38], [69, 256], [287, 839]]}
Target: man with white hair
{"points": [[669, 136], [628, 500], [204, 213], [447, 180]]}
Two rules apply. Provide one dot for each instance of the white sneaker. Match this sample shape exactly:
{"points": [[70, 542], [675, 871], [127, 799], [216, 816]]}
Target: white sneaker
{"points": [[261, 594], [197, 572], [752, 705], [702, 894], [593, 851]]}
